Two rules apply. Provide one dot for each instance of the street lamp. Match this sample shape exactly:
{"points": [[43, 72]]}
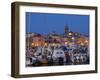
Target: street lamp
{"points": [[73, 38], [70, 34], [82, 44], [86, 41], [32, 44], [45, 44], [53, 44], [66, 43]]}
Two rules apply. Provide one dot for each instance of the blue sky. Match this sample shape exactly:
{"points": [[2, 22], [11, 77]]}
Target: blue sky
{"points": [[45, 23]]}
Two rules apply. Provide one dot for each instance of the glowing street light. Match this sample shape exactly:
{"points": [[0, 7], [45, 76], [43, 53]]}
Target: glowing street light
{"points": [[66, 43], [53, 44], [32, 44], [82, 44], [73, 38], [69, 34], [86, 41], [45, 44]]}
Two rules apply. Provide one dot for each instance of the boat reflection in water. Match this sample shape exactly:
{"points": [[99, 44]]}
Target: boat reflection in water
{"points": [[57, 55]]}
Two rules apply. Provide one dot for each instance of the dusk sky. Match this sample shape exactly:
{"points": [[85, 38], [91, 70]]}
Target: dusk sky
{"points": [[45, 23]]}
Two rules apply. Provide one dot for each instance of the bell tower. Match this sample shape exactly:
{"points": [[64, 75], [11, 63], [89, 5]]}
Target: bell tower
{"points": [[66, 30]]}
